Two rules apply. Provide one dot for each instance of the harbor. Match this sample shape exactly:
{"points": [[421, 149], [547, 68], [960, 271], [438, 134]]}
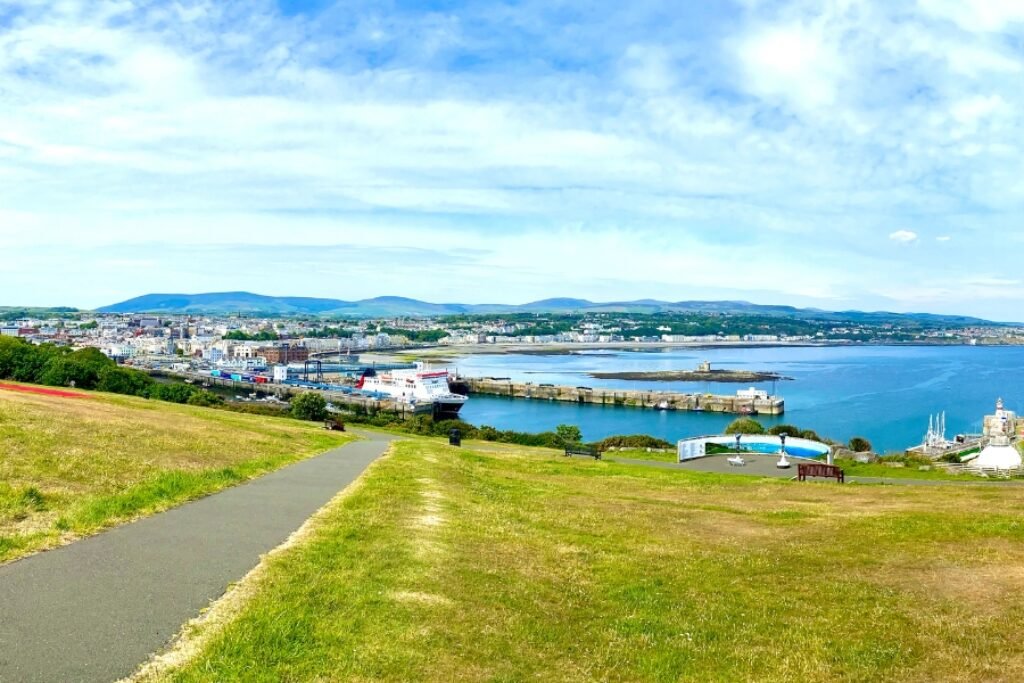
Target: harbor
{"points": [[341, 396], [744, 402]]}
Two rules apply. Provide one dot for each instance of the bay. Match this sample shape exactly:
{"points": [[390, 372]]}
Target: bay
{"points": [[884, 393]]}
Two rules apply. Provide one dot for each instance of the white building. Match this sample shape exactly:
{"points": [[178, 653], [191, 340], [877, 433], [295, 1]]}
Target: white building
{"points": [[1000, 453]]}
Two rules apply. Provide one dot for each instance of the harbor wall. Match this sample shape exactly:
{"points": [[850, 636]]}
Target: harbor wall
{"points": [[666, 400]]}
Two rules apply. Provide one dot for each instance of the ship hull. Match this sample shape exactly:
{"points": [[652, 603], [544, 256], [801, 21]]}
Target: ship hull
{"points": [[445, 410]]}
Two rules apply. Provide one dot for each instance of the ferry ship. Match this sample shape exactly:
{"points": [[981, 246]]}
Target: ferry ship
{"points": [[415, 387]]}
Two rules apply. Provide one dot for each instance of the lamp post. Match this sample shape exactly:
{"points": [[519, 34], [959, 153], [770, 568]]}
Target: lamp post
{"points": [[783, 463], [738, 437]]}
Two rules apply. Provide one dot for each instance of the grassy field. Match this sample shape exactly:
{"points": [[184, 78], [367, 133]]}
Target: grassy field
{"points": [[448, 564], [643, 454], [70, 467]]}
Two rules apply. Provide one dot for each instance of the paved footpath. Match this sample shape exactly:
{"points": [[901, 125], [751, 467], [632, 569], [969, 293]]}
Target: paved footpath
{"points": [[96, 609]]}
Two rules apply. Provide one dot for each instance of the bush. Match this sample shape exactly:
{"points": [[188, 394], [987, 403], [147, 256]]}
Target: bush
{"points": [[788, 430], [257, 409], [487, 433], [116, 380], [859, 444], [204, 398], [568, 435], [811, 435], [309, 406], [632, 441], [172, 393], [745, 425]]}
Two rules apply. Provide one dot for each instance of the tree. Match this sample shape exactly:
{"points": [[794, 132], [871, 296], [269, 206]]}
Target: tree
{"points": [[309, 406], [788, 430], [745, 425], [568, 435], [859, 444], [118, 380]]}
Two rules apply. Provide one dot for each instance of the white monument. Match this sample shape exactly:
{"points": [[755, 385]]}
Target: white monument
{"points": [[1000, 453]]}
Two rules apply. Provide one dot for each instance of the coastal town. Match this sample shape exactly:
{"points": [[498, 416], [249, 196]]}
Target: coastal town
{"points": [[247, 343]]}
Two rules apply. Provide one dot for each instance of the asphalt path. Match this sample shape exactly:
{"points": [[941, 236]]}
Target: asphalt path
{"points": [[96, 609]]}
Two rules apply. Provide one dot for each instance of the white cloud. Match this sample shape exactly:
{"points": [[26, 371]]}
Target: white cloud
{"points": [[903, 236], [626, 138], [794, 62], [977, 15], [943, 238]]}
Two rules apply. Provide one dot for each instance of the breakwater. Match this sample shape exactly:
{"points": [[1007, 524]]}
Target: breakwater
{"points": [[659, 400]]}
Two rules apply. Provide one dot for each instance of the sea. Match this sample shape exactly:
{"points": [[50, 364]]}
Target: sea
{"points": [[883, 393]]}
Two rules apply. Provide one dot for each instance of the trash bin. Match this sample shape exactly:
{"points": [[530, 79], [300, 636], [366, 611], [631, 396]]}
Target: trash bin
{"points": [[454, 437]]}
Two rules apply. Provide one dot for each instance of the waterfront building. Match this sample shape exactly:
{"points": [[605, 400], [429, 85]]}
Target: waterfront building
{"points": [[284, 354]]}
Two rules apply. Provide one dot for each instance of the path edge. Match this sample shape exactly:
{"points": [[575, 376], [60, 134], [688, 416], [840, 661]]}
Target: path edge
{"points": [[199, 631]]}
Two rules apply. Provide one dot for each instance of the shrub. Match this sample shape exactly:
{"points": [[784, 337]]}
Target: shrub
{"points": [[309, 406], [568, 435], [859, 444], [632, 441], [487, 433], [117, 380], [204, 398], [172, 393], [745, 425], [257, 409], [788, 430]]}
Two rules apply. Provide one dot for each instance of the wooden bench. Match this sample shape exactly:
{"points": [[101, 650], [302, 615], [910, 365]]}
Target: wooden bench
{"points": [[590, 451], [817, 469]]}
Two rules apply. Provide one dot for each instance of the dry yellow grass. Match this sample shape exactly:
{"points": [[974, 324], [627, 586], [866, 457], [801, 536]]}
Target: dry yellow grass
{"points": [[540, 568], [69, 467]]}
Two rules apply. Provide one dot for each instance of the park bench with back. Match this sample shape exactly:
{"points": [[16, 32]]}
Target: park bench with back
{"points": [[580, 449], [819, 469]]}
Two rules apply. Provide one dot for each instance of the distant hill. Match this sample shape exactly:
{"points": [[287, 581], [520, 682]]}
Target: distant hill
{"points": [[396, 306]]}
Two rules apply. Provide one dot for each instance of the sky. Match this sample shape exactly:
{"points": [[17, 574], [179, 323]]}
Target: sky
{"points": [[842, 154]]}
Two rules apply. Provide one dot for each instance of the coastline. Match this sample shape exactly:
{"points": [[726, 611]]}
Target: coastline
{"points": [[450, 354]]}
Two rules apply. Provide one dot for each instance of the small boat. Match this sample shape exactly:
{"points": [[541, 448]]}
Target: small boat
{"points": [[663, 405]]}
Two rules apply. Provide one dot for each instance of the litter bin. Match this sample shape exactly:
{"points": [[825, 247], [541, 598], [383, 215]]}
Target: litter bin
{"points": [[454, 437]]}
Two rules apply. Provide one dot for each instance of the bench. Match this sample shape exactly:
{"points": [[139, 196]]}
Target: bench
{"points": [[804, 470], [590, 451]]}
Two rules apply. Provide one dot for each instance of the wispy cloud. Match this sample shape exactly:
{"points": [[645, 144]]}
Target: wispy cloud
{"points": [[903, 236], [657, 144]]}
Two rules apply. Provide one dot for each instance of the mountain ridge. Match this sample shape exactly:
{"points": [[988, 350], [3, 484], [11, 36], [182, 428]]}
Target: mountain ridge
{"points": [[398, 306]]}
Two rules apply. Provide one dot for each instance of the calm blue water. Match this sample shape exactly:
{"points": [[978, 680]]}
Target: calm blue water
{"points": [[882, 393]]}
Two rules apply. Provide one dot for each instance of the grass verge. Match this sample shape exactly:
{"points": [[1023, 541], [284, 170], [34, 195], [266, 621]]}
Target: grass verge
{"points": [[72, 467], [449, 564]]}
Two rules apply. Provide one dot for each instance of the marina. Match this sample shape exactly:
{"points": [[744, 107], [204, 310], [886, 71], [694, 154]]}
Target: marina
{"points": [[883, 393]]}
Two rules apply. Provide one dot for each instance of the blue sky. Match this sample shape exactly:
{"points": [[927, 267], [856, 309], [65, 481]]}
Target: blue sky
{"points": [[832, 153]]}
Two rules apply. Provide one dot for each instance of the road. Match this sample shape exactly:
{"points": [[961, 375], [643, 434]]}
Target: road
{"points": [[96, 609]]}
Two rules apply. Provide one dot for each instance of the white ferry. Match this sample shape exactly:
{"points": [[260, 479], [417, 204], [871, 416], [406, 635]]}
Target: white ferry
{"points": [[415, 387]]}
